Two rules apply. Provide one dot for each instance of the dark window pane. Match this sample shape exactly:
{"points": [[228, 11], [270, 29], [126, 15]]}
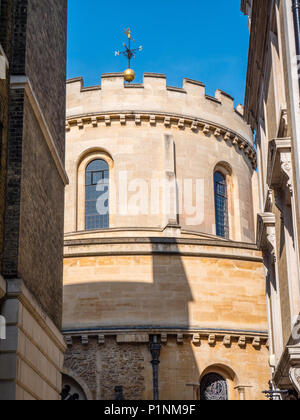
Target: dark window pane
{"points": [[96, 177], [88, 178], [97, 165], [97, 184], [221, 205]]}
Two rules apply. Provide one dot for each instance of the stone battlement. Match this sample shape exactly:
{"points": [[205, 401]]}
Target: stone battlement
{"points": [[153, 96]]}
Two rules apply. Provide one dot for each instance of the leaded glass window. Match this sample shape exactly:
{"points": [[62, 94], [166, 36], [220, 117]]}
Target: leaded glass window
{"points": [[97, 195], [221, 205], [213, 388]]}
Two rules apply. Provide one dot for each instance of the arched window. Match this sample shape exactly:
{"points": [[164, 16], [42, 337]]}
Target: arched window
{"points": [[97, 195], [213, 387], [71, 390], [221, 205]]}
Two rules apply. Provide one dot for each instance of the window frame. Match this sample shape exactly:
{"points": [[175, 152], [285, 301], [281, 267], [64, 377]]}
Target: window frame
{"points": [[222, 229], [84, 160], [94, 221]]}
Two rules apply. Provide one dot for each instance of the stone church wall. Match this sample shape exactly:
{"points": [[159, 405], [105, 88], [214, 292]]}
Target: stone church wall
{"points": [[160, 276]]}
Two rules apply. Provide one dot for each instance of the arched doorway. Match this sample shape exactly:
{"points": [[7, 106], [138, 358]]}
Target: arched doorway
{"points": [[213, 387]]}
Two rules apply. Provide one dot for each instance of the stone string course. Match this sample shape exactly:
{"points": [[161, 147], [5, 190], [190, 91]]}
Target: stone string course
{"points": [[209, 129], [105, 361], [257, 341]]}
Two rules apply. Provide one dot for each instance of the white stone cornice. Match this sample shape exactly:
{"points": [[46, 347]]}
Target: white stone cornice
{"points": [[283, 123], [280, 164], [294, 362], [288, 367], [168, 120], [266, 233], [145, 246], [269, 201], [196, 336], [294, 374], [286, 168], [22, 82]]}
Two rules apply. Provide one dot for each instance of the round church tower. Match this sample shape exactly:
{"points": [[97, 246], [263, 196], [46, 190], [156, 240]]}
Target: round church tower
{"points": [[160, 261]]}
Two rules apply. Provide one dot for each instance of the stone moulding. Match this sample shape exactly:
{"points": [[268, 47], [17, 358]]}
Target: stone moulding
{"points": [[280, 165], [22, 82], [289, 367], [266, 233], [144, 246], [169, 120], [133, 338], [196, 339], [196, 336]]}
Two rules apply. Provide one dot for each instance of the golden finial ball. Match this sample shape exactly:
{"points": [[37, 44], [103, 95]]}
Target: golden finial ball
{"points": [[129, 75]]}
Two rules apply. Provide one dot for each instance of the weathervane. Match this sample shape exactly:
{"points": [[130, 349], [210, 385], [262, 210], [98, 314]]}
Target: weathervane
{"points": [[129, 52]]}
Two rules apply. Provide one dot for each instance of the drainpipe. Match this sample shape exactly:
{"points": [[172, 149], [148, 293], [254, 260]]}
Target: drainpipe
{"points": [[155, 348], [296, 16]]}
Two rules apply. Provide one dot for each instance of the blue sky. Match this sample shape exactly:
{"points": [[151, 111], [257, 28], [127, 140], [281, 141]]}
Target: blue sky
{"points": [[199, 39]]}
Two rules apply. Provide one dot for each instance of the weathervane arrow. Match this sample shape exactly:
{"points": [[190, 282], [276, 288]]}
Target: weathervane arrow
{"points": [[129, 53]]}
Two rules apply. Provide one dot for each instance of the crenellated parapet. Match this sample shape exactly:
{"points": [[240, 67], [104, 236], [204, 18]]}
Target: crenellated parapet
{"points": [[154, 103]]}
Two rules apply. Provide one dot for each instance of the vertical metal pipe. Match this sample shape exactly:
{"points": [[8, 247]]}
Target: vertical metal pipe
{"points": [[155, 349], [296, 16], [129, 50]]}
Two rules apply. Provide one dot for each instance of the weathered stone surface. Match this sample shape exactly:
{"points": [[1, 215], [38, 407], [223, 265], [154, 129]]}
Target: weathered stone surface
{"points": [[276, 125], [32, 121], [103, 368], [154, 272]]}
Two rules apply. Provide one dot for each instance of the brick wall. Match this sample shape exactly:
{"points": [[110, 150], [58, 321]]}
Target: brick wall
{"points": [[41, 220], [13, 187], [5, 33], [3, 148], [34, 199], [46, 62]]}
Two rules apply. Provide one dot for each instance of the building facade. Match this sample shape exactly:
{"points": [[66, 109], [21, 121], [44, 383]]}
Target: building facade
{"points": [[5, 42], [32, 135], [272, 108], [164, 294]]}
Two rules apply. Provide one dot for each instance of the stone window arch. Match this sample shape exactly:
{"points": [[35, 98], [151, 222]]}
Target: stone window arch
{"points": [[230, 226], [221, 205], [97, 195], [219, 382], [213, 387], [93, 165], [72, 390]]}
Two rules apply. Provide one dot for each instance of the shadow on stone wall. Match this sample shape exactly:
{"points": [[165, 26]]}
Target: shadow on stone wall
{"points": [[132, 307]]}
